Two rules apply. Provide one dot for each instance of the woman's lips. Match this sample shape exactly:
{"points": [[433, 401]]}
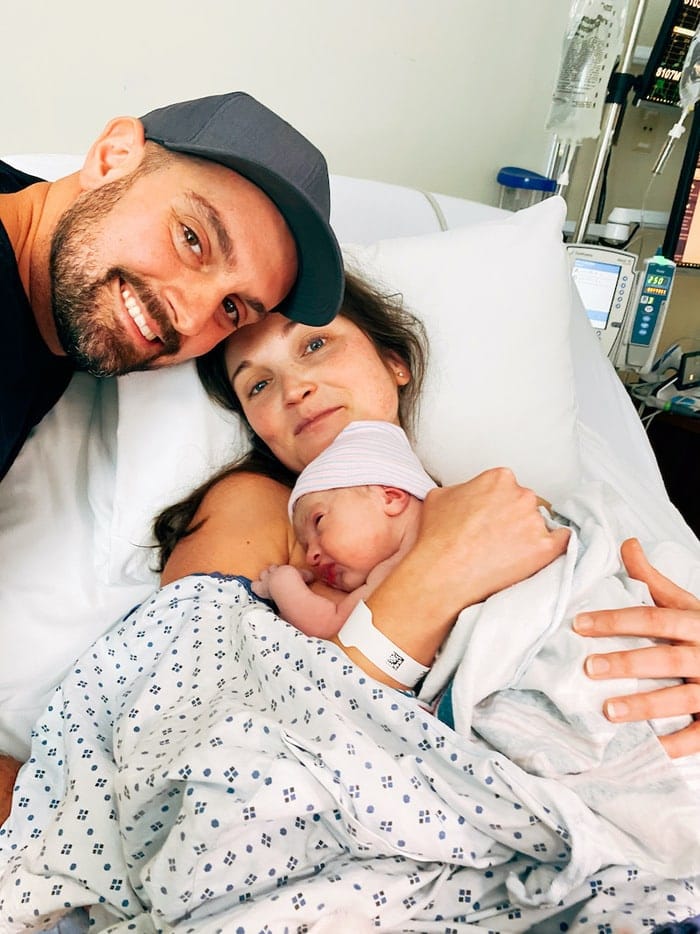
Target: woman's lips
{"points": [[314, 420]]}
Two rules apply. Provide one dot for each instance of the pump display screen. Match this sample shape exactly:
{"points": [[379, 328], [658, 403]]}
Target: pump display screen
{"points": [[655, 284], [596, 283]]}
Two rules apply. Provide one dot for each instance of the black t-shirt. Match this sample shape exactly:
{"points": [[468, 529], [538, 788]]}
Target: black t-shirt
{"points": [[32, 379]]}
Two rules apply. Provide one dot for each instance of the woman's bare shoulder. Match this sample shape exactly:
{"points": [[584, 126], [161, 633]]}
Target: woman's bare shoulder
{"points": [[235, 490], [240, 527]]}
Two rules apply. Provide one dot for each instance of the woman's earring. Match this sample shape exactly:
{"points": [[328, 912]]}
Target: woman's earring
{"points": [[401, 374]]}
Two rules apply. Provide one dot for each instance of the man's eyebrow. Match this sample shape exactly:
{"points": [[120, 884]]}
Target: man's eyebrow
{"points": [[213, 218]]}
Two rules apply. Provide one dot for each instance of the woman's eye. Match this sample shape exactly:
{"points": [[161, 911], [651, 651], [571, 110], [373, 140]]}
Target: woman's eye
{"points": [[231, 310], [192, 240], [258, 387]]}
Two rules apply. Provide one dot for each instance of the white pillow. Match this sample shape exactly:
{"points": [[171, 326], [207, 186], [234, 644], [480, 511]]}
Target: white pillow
{"points": [[496, 301], [170, 438]]}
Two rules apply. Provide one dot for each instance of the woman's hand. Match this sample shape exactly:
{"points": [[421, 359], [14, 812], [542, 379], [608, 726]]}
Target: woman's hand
{"points": [[486, 534], [675, 619]]}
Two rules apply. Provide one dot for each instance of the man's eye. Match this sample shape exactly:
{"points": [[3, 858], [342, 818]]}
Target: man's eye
{"points": [[192, 240], [315, 344], [231, 310]]}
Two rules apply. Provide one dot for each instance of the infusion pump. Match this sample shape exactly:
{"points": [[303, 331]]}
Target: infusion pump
{"points": [[626, 310], [604, 279]]}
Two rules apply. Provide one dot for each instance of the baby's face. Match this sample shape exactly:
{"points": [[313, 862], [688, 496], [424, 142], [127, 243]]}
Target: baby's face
{"points": [[345, 534]]}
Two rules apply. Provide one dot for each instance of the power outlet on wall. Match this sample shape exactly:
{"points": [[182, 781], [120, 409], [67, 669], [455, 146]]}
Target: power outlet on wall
{"points": [[646, 130]]}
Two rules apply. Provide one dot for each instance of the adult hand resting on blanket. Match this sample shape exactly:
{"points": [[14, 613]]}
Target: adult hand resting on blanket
{"points": [[675, 618]]}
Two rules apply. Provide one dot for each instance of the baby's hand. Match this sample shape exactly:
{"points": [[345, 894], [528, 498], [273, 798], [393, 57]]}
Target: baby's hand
{"points": [[262, 586]]}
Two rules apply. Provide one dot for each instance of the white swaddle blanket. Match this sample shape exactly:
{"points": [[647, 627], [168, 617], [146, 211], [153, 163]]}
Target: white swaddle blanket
{"points": [[519, 684]]}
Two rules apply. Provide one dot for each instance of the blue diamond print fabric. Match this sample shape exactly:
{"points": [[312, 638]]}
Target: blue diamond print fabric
{"points": [[207, 767]]}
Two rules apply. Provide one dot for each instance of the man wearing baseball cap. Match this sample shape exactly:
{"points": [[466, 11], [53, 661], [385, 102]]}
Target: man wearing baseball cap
{"points": [[180, 227]]}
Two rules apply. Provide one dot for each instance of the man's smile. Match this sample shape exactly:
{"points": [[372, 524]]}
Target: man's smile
{"points": [[136, 313]]}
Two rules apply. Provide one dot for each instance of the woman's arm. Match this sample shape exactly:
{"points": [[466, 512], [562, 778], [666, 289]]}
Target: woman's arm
{"points": [[675, 619], [242, 527], [475, 539]]}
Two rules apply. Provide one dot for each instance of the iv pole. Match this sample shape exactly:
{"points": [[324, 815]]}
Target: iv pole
{"points": [[619, 86]]}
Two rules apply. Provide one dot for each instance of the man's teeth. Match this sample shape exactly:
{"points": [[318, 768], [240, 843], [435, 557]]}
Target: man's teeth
{"points": [[137, 315]]}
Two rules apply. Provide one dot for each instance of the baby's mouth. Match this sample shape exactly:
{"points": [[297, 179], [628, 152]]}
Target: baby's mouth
{"points": [[328, 574]]}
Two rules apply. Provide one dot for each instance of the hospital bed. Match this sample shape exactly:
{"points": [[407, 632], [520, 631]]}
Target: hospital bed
{"points": [[516, 377]]}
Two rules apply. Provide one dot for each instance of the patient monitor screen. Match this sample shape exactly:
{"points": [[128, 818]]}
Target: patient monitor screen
{"points": [[596, 282]]}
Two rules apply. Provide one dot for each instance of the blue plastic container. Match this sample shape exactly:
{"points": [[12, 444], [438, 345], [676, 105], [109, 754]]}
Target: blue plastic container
{"points": [[520, 187]]}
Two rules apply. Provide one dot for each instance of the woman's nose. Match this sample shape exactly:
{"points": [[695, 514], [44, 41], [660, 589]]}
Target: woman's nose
{"points": [[297, 386]]}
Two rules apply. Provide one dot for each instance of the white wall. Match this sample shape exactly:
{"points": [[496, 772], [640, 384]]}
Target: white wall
{"points": [[432, 93]]}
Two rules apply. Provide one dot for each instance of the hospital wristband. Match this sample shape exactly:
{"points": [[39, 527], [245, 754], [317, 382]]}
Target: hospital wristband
{"points": [[360, 632]]}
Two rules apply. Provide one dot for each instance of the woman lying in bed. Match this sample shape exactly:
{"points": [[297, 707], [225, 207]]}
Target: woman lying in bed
{"points": [[297, 387]]}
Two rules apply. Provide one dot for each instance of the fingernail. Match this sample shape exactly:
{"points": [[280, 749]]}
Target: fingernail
{"points": [[596, 665], [615, 711], [583, 623]]}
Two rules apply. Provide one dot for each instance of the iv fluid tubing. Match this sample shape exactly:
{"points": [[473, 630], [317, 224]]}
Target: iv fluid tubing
{"points": [[676, 131]]}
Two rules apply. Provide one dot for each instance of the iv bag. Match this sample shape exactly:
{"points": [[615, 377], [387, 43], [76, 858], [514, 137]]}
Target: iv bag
{"points": [[689, 84], [592, 46]]}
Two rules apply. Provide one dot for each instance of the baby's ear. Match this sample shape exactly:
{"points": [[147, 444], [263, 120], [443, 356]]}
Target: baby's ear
{"points": [[395, 500]]}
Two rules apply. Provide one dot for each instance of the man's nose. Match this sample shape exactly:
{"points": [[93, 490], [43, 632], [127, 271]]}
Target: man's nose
{"points": [[191, 315], [193, 302]]}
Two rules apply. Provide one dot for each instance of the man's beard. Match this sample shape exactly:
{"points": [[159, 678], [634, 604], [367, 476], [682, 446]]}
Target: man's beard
{"points": [[83, 293]]}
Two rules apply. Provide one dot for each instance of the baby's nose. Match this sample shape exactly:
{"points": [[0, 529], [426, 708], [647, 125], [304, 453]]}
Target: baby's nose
{"points": [[313, 555]]}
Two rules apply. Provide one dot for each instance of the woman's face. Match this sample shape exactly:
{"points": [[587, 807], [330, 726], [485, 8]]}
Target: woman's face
{"points": [[299, 386]]}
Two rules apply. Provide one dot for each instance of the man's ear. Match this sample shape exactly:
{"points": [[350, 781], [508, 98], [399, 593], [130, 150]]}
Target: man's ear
{"points": [[395, 500], [116, 152]]}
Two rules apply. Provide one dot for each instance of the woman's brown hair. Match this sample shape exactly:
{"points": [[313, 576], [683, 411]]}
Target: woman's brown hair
{"points": [[395, 333]]}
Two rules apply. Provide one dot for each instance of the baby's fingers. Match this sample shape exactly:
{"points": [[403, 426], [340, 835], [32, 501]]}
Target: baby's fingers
{"points": [[260, 589]]}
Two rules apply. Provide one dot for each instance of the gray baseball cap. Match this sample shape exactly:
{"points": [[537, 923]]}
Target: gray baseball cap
{"points": [[244, 135]]}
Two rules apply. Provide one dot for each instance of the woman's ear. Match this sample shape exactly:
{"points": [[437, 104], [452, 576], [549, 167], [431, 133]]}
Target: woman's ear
{"points": [[402, 374], [395, 500], [116, 152]]}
